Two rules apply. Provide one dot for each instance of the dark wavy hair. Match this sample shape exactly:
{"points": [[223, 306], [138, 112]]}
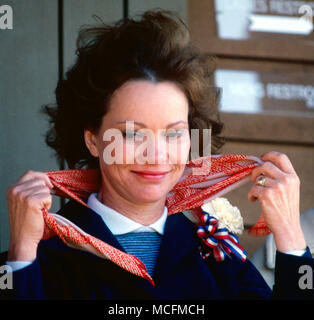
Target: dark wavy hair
{"points": [[156, 48]]}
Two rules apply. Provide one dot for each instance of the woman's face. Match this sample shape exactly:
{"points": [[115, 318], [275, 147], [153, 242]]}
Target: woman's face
{"points": [[154, 145]]}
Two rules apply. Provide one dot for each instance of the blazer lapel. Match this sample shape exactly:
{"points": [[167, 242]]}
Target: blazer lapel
{"points": [[179, 239], [90, 222]]}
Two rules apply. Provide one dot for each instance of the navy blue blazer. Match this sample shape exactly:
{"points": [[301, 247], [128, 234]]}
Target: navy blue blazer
{"points": [[60, 272]]}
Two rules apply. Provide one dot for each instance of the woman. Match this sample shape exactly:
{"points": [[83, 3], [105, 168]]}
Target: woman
{"points": [[148, 74]]}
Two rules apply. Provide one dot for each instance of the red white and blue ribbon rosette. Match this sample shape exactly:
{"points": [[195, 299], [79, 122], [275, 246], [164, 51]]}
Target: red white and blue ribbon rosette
{"points": [[219, 242]]}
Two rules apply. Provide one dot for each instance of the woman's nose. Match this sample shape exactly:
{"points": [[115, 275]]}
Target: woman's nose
{"points": [[155, 150], [160, 154]]}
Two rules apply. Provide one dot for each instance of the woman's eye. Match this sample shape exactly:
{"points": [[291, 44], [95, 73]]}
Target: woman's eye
{"points": [[131, 134], [174, 133], [170, 134]]}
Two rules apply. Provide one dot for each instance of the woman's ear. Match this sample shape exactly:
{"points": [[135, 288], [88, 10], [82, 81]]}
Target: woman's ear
{"points": [[91, 142]]}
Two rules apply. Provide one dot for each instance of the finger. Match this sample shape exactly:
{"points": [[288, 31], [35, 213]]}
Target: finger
{"points": [[28, 193], [266, 169], [38, 189], [28, 184], [36, 195], [256, 192], [268, 182], [35, 174], [44, 199], [281, 160], [26, 187]]}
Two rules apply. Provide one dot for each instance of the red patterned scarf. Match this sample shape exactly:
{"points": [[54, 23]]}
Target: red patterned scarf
{"points": [[203, 180]]}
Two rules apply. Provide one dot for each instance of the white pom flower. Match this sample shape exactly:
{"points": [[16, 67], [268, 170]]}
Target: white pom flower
{"points": [[227, 215]]}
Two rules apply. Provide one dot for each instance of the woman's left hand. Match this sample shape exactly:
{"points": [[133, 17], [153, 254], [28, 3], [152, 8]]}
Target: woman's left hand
{"points": [[279, 199]]}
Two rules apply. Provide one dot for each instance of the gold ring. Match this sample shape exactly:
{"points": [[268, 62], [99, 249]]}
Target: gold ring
{"points": [[261, 181]]}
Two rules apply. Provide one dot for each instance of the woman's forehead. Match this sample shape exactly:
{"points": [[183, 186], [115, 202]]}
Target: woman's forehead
{"points": [[143, 100]]}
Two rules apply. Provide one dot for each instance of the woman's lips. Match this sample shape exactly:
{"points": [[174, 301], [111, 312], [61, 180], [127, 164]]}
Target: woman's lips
{"points": [[152, 175]]}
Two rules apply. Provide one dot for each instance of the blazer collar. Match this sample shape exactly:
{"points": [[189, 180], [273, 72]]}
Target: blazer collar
{"points": [[90, 222], [178, 240]]}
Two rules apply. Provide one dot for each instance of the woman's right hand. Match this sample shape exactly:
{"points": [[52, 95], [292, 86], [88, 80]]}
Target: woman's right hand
{"points": [[26, 198]]}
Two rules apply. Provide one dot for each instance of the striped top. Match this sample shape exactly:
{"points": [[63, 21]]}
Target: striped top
{"points": [[144, 245], [141, 241]]}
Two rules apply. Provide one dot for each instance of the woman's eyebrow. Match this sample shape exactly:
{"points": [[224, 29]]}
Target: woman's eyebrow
{"points": [[143, 125], [175, 123], [132, 121]]}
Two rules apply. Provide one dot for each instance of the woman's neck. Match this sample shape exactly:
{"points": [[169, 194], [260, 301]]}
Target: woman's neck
{"points": [[143, 213]]}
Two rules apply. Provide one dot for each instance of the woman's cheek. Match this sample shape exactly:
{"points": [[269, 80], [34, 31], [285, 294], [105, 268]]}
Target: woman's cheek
{"points": [[179, 151], [112, 150]]}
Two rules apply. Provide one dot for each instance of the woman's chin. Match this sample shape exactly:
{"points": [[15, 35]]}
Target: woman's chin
{"points": [[148, 196]]}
